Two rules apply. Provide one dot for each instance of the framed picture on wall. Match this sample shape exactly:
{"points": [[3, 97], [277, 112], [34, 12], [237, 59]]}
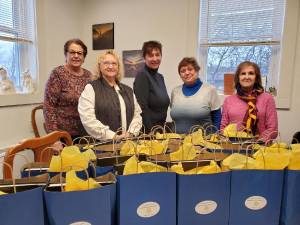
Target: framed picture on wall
{"points": [[103, 36], [133, 62]]}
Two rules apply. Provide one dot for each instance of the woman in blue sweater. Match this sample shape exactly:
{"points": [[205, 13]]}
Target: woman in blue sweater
{"points": [[194, 102]]}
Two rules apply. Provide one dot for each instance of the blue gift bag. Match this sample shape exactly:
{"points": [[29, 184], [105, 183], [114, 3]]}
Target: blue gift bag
{"points": [[290, 210], [147, 199], [100, 170], [94, 206], [25, 173], [203, 199], [22, 208], [255, 197]]}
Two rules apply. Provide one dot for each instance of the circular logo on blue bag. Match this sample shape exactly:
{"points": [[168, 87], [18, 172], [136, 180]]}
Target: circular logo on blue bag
{"points": [[81, 223], [256, 202], [206, 207], [148, 209]]}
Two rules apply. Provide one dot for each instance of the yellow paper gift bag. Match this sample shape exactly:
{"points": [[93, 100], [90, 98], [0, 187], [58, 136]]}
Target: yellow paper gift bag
{"points": [[128, 148], [73, 158], [159, 147], [74, 183], [153, 147], [70, 159], [143, 149], [132, 166], [196, 138], [185, 152], [274, 148], [294, 160], [238, 161], [177, 168], [279, 145], [89, 154], [232, 131], [149, 167], [55, 164], [160, 136], [295, 147], [210, 169], [2, 193], [272, 161]]}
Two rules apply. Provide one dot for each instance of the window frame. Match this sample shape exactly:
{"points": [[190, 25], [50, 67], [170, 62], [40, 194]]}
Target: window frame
{"points": [[286, 57], [21, 98]]}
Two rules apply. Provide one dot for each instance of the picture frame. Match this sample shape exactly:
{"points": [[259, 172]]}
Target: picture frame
{"points": [[103, 36], [133, 61]]}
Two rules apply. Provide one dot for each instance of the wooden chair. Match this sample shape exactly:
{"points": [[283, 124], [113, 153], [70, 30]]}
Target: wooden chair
{"points": [[36, 145], [33, 120]]}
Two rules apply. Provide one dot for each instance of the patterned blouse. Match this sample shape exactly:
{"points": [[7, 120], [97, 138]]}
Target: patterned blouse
{"points": [[62, 92]]}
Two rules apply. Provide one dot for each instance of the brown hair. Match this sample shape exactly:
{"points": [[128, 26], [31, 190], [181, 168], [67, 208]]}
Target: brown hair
{"points": [[189, 61], [149, 46], [75, 41], [100, 60], [257, 84]]}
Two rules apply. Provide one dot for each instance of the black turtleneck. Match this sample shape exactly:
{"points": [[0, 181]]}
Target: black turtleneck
{"points": [[151, 93], [150, 70]]}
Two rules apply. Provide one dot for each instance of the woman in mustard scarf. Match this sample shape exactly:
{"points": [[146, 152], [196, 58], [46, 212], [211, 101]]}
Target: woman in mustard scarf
{"points": [[250, 107]]}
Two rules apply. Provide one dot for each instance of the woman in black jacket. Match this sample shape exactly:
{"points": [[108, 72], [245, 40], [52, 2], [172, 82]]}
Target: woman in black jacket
{"points": [[150, 89]]}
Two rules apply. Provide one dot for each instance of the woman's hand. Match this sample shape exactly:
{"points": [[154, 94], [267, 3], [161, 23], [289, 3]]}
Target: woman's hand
{"points": [[124, 135], [58, 145]]}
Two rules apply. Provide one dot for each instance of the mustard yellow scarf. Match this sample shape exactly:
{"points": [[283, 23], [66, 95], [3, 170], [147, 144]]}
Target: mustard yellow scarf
{"points": [[250, 119]]}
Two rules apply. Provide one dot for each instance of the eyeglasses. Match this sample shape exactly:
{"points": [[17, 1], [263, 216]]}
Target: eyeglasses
{"points": [[107, 63], [74, 53]]}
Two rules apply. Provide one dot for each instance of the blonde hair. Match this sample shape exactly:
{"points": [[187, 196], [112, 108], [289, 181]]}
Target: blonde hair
{"points": [[100, 59]]}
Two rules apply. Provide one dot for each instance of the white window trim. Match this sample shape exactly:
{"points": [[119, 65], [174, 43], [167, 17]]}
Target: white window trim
{"points": [[7, 100]]}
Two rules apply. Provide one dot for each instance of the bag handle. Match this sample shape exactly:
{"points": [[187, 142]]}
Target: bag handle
{"points": [[80, 140], [166, 126], [156, 128], [19, 154], [247, 149], [207, 130], [11, 170], [195, 128]]}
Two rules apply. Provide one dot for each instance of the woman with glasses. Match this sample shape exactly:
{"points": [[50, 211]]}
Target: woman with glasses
{"points": [[150, 89], [63, 88], [252, 109], [108, 108]]}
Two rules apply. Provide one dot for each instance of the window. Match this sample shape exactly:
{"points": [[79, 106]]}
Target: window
{"points": [[238, 30], [18, 67]]}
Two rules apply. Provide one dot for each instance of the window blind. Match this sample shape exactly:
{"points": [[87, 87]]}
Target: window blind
{"points": [[17, 22], [241, 22]]}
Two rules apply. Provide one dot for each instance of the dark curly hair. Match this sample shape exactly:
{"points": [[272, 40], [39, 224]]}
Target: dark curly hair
{"points": [[75, 41]]}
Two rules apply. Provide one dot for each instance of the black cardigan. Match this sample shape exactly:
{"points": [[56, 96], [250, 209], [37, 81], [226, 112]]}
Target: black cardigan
{"points": [[151, 93]]}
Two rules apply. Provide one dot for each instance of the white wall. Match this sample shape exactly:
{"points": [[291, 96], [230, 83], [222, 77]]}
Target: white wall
{"points": [[289, 120], [173, 22]]}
